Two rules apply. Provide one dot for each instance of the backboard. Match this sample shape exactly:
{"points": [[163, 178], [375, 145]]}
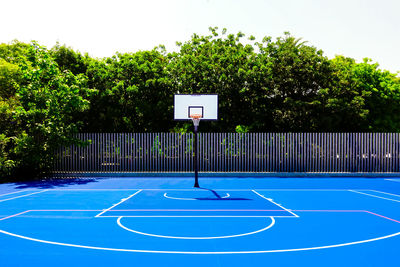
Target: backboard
{"points": [[204, 105]]}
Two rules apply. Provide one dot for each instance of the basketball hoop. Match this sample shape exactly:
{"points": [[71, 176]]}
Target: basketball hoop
{"points": [[196, 107], [196, 119]]}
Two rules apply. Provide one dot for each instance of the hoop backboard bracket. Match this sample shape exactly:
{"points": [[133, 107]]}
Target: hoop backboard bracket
{"points": [[204, 105]]}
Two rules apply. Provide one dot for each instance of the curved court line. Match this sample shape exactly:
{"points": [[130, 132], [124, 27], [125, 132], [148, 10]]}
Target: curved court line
{"points": [[204, 237], [182, 198], [177, 198], [200, 252]]}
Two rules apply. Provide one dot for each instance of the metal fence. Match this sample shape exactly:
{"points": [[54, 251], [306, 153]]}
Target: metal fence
{"points": [[233, 152]]}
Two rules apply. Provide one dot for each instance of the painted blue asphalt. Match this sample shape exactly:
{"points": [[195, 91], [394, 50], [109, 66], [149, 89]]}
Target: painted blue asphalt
{"points": [[229, 222]]}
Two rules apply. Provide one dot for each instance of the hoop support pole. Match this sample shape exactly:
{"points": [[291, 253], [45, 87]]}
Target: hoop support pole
{"points": [[196, 171]]}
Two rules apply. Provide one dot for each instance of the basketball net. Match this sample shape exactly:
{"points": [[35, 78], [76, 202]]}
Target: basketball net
{"points": [[196, 119]]}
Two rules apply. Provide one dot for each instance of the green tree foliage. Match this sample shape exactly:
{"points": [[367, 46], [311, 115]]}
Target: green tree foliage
{"points": [[362, 98], [292, 75], [10, 128], [67, 59], [270, 85], [210, 64], [381, 91], [275, 89], [13, 52], [10, 75], [132, 93], [10, 78], [48, 100]]}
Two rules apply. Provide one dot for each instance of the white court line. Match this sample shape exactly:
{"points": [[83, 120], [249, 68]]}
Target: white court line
{"points": [[195, 216], [14, 215], [178, 198], [385, 193], [182, 198], [203, 237], [216, 189], [200, 252], [53, 210], [122, 200], [24, 195], [274, 203], [393, 180], [14, 192], [374, 196]]}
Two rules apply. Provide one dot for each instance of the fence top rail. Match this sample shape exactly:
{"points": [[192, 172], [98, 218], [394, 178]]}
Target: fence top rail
{"points": [[233, 152]]}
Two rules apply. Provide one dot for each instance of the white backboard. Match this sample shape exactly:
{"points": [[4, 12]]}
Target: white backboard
{"points": [[207, 105]]}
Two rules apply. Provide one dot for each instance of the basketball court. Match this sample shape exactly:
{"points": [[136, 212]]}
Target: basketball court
{"points": [[226, 222], [205, 221]]}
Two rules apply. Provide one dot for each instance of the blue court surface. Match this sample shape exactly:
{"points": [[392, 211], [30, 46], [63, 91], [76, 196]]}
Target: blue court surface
{"points": [[227, 222]]}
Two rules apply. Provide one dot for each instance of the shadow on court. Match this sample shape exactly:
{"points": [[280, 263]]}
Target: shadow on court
{"points": [[53, 183], [222, 199], [218, 197]]}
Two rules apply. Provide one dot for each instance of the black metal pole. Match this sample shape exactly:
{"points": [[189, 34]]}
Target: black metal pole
{"points": [[196, 174]]}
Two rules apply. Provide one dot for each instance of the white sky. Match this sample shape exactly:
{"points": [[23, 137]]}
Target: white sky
{"points": [[354, 28]]}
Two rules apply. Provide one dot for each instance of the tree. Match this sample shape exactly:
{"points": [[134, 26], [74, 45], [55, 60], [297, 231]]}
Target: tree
{"points": [[10, 78], [67, 59], [13, 52], [294, 74], [10, 74], [133, 93], [49, 101], [10, 129], [221, 65], [381, 90], [362, 98], [342, 106]]}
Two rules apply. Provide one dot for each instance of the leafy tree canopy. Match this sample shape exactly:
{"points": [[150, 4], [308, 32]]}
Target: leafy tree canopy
{"points": [[282, 84]]}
